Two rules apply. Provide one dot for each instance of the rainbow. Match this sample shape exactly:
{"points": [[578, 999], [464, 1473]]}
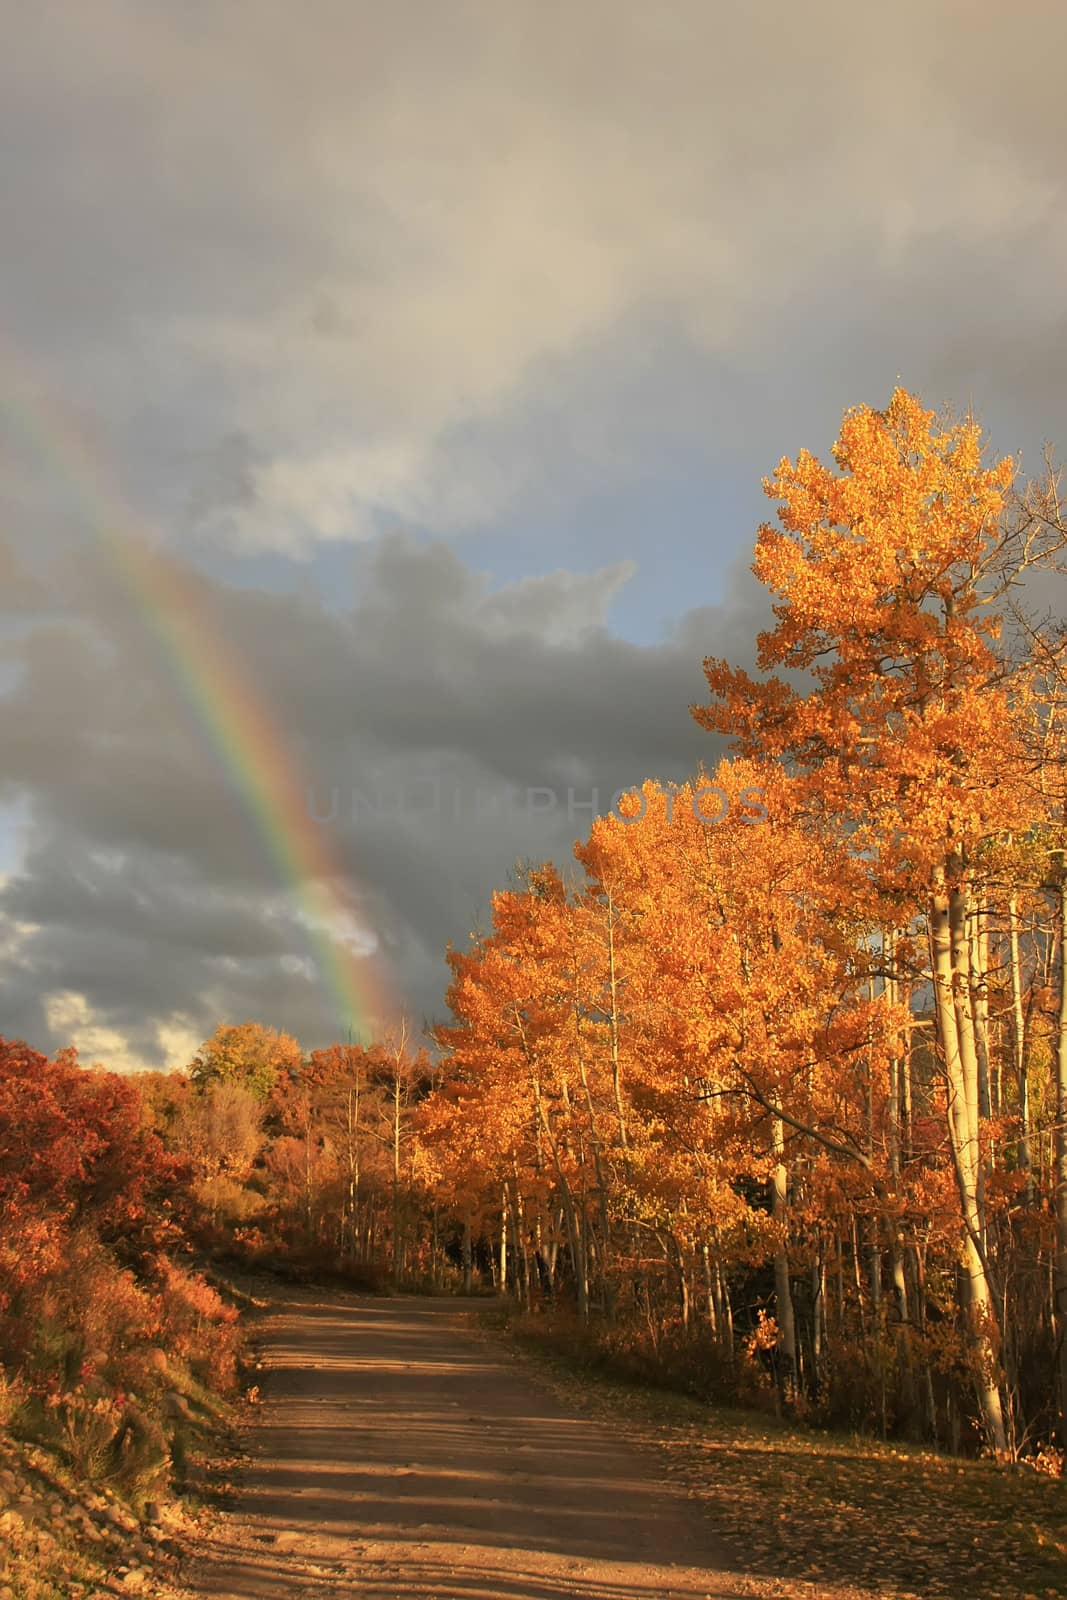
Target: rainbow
{"points": [[234, 719]]}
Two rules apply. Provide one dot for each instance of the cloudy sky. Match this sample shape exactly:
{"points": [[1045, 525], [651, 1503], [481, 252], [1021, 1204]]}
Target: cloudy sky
{"points": [[441, 350]]}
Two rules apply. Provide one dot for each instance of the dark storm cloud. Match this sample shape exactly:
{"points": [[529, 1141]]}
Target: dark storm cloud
{"points": [[312, 272], [444, 730]]}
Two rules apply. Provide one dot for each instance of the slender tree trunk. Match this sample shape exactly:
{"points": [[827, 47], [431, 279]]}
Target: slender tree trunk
{"points": [[978, 956], [1060, 1154], [1019, 1048], [596, 1144], [613, 1021], [574, 1238], [683, 1281], [857, 1273], [468, 1258], [906, 1097], [874, 1276], [783, 1294], [726, 1310], [896, 1249], [607, 1286], [396, 1176], [307, 1181], [951, 966], [352, 1141], [522, 1268], [818, 1313], [709, 1291]]}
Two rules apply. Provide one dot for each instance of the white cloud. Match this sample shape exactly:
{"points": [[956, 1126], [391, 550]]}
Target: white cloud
{"points": [[70, 1016], [178, 1044]]}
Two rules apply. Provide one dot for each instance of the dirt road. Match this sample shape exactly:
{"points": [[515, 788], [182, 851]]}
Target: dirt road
{"points": [[401, 1455]]}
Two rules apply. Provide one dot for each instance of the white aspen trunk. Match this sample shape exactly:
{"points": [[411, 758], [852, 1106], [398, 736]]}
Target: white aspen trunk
{"points": [[596, 1144], [874, 1278], [893, 1095], [896, 1250], [783, 1294], [684, 1287], [818, 1301], [978, 962], [906, 1099], [607, 1285], [570, 1217], [947, 922], [396, 1174], [616, 1068], [521, 1243], [1060, 1157], [503, 1280], [1019, 1049], [726, 1313], [352, 1141], [709, 1291], [857, 1274], [468, 1260]]}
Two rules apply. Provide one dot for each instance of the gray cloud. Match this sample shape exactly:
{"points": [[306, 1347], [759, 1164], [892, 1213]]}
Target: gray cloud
{"points": [[444, 729], [305, 276], [358, 243]]}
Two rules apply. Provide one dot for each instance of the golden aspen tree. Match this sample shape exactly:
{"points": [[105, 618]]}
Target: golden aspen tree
{"points": [[898, 720]]}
